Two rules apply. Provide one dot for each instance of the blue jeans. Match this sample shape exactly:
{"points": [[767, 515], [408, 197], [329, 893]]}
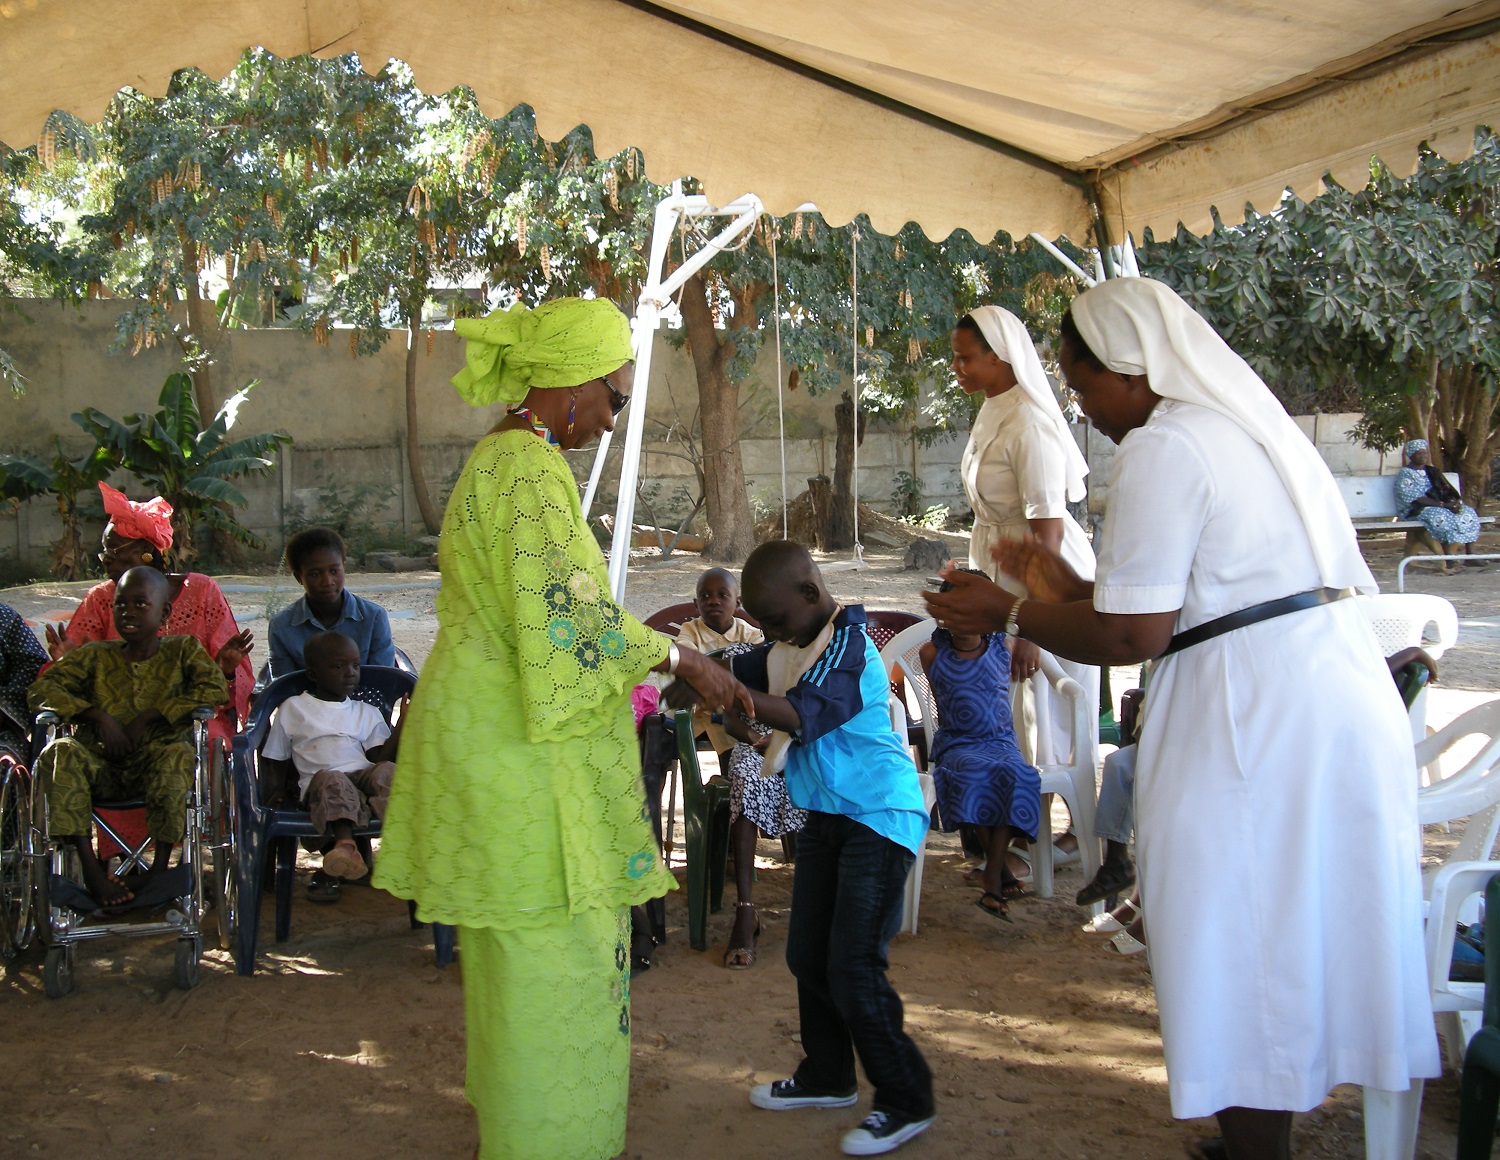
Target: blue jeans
{"points": [[846, 906], [1114, 816]]}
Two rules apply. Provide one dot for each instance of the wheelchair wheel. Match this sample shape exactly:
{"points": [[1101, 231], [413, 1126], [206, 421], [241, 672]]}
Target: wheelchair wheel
{"points": [[17, 916], [223, 837], [186, 970], [57, 972]]}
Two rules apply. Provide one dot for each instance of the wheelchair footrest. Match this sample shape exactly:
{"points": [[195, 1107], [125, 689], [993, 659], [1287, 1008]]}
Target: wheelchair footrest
{"points": [[162, 890]]}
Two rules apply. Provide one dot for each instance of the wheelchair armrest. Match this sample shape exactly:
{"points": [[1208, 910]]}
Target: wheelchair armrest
{"points": [[48, 717], [205, 713]]}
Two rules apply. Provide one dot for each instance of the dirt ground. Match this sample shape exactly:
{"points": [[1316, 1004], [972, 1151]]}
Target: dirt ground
{"points": [[350, 1038]]}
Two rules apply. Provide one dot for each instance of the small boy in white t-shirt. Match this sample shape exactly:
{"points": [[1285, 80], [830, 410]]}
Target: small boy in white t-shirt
{"points": [[342, 750]]}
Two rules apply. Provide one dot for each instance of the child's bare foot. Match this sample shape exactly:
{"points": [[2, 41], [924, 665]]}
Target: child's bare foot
{"points": [[740, 954], [343, 861]]}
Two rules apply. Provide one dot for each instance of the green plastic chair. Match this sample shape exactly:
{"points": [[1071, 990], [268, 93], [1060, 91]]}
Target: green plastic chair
{"points": [[1109, 728], [705, 822], [1479, 1096]]}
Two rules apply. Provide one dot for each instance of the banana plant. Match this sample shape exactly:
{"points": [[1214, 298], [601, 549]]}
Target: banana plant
{"points": [[189, 465], [24, 477]]}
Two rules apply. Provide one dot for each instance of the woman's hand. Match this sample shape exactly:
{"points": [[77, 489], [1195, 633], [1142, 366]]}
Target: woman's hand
{"points": [[58, 643], [234, 650], [1045, 574], [1025, 659], [973, 604], [714, 685]]}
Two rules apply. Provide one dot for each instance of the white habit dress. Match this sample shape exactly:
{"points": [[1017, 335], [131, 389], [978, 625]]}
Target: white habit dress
{"points": [[1275, 791], [1014, 469]]}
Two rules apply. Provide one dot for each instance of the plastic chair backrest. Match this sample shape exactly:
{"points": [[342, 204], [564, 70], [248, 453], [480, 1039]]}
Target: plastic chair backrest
{"points": [[693, 796], [882, 625], [669, 620], [903, 663], [388, 685], [1469, 791], [1411, 619]]}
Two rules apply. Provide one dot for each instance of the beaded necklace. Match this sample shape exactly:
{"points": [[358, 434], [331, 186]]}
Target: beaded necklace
{"points": [[537, 426]]}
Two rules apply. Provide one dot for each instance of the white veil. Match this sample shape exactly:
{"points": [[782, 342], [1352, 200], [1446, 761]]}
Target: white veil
{"points": [[1007, 337], [1138, 326]]}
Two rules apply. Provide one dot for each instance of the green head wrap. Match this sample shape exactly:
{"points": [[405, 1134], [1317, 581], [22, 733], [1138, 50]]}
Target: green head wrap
{"points": [[561, 343]]}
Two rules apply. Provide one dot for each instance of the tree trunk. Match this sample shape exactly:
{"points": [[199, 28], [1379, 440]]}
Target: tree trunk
{"points": [[430, 519], [820, 495], [730, 521], [1461, 434], [841, 522], [203, 327]]}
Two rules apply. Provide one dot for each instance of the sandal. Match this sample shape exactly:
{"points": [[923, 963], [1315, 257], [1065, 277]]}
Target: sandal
{"points": [[1208, 1148], [1108, 923], [1112, 878], [344, 862], [742, 958], [324, 888], [999, 910], [1125, 943]]}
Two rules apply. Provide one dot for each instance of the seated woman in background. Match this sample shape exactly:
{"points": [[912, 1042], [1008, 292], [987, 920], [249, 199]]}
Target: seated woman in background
{"points": [[1424, 493], [140, 534], [21, 658], [315, 556]]}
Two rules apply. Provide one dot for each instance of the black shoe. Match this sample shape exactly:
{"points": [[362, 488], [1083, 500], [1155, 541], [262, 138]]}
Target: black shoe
{"points": [[882, 1132], [785, 1094]]}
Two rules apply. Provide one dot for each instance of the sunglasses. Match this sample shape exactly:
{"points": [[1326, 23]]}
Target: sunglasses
{"points": [[617, 401]]}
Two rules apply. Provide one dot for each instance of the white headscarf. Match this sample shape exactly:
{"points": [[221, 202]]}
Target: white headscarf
{"points": [[1138, 326], [1007, 337]]}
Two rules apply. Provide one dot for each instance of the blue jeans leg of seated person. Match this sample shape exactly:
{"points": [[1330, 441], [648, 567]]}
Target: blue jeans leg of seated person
{"points": [[847, 893], [1114, 815]]}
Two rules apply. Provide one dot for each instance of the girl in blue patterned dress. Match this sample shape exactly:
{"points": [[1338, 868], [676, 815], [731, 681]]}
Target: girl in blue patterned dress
{"points": [[1423, 493], [982, 779]]}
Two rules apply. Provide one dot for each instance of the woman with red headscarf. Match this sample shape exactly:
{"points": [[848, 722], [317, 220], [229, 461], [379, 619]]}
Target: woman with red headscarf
{"points": [[140, 534]]}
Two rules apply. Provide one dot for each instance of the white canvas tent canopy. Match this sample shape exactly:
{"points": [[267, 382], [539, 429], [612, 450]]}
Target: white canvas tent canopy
{"points": [[1016, 116]]}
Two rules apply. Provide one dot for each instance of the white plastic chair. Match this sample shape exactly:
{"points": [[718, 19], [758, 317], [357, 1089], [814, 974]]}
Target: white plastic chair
{"points": [[913, 897], [1412, 620], [1074, 780], [1472, 792]]}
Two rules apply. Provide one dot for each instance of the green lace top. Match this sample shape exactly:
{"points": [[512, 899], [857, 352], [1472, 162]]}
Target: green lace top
{"points": [[518, 796]]}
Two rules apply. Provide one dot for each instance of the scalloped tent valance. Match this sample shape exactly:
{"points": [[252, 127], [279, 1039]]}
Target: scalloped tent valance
{"points": [[950, 113]]}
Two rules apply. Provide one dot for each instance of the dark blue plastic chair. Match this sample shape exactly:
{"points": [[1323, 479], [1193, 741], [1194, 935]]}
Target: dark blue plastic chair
{"points": [[265, 830]]}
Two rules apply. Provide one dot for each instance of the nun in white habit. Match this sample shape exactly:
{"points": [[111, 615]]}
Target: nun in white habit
{"points": [[1276, 820], [1020, 470]]}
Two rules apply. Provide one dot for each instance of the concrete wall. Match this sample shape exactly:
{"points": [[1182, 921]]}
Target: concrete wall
{"points": [[347, 417]]}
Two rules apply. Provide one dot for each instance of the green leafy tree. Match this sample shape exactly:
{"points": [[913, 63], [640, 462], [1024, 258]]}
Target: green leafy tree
{"points": [[24, 477], [1389, 294], [186, 463]]}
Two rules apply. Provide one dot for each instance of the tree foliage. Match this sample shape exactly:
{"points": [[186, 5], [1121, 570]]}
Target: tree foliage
{"points": [[1389, 293]]}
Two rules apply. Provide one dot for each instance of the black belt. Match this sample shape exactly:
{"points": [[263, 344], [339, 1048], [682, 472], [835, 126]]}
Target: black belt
{"points": [[1254, 615]]}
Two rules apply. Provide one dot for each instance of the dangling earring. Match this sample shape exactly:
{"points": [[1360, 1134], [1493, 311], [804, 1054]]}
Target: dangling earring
{"points": [[572, 406]]}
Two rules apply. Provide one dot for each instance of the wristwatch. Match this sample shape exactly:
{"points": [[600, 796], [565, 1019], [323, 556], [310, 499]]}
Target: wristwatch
{"points": [[1013, 621]]}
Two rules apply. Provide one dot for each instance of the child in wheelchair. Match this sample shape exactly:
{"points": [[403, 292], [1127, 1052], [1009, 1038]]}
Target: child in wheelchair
{"points": [[132, 701], [342, 750]]}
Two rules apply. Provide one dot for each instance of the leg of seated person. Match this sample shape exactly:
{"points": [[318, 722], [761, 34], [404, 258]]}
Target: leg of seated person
{"points": [[1114, 819], [337, 806], [162, 773], [71, 774], [375, 784]]}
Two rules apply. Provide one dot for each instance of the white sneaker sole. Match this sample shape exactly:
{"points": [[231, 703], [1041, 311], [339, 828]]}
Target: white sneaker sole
{"points": [[761, 1097], [861, 1143]]}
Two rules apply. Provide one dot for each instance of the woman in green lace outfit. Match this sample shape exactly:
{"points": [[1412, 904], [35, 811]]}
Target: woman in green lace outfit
{"points": [[517, 812]]}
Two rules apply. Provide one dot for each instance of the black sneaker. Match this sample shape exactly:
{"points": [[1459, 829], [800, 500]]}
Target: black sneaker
{"points": [[882, 1132], [785, 1094]]}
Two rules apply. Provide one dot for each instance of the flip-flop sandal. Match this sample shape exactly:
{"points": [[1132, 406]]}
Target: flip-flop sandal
{"points": [[1109, 880], [1125, 943], [1107, 923], [1012, 888], [1061, 857], [324, 888], [344, 862], [1208, 1148], [1000, 910]]}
